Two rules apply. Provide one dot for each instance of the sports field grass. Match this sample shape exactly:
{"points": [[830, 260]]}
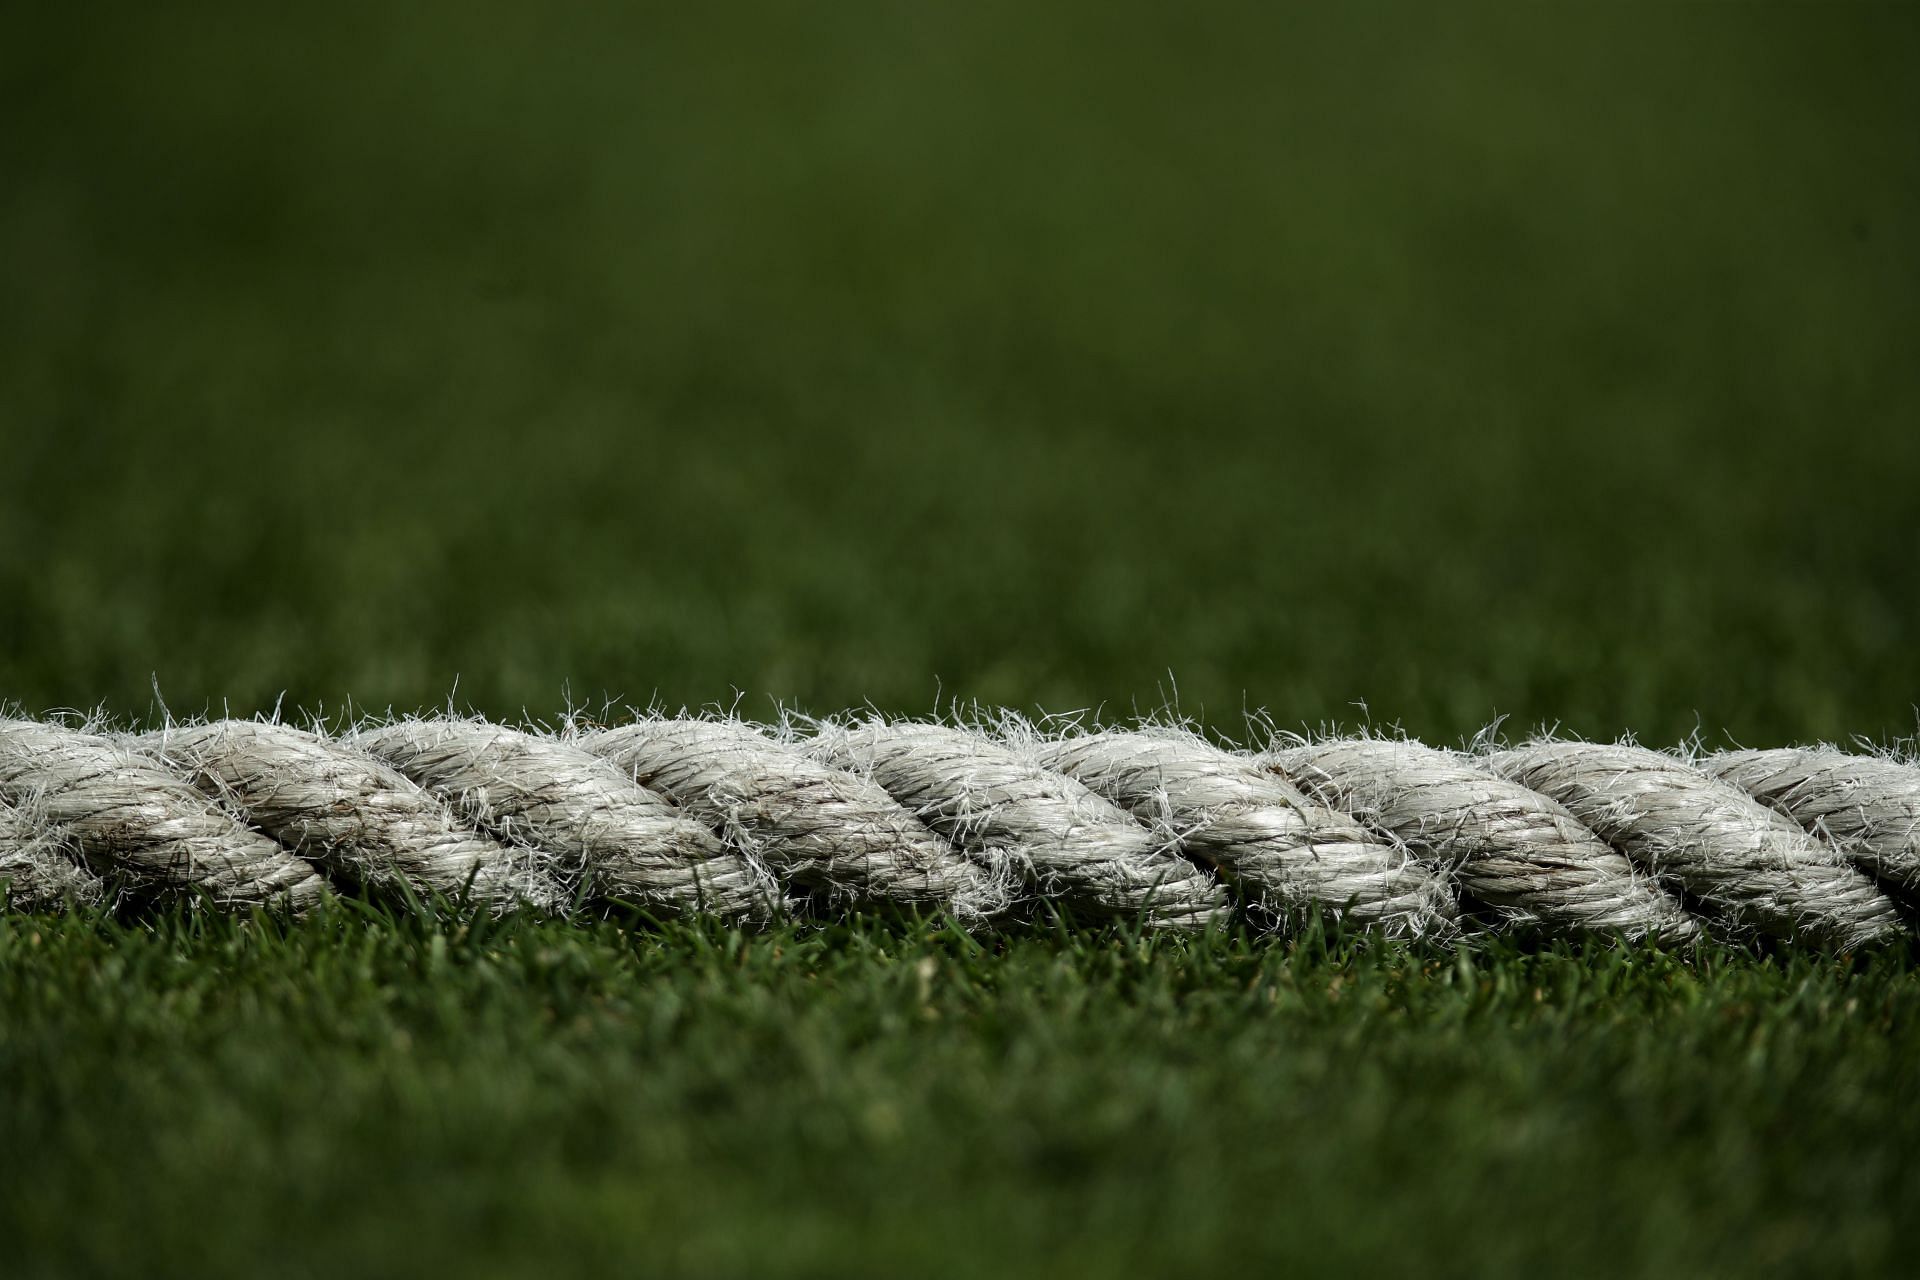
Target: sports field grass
{"points": [[389, 1098], [1347, 362]]}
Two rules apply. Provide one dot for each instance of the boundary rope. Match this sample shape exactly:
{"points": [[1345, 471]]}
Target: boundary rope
{"points": [[982, 821]]}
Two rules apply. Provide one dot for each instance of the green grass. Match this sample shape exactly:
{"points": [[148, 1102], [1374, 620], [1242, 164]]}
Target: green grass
{"points": [[1554, 363], [382, 1096]]}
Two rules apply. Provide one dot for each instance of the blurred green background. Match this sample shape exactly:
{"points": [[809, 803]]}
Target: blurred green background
{"points": [[1550, 362]]}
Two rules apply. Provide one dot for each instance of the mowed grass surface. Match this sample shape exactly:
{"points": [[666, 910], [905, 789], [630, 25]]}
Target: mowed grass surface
{"points": [[1550, 364], [384, 1096]]}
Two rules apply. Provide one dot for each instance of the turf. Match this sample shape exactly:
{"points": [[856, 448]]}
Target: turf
{"points": [[1358, 362], [389, 1097]]}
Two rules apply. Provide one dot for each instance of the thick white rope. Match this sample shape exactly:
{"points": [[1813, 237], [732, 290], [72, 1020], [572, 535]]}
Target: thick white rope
{"points": [[1516, 851], [1004, 809], [129, 816], [348, 812], [1866, 805], [826, 831], [38, 871], [687, 816], [622, 840], [1282, 850], [1748, 864]]}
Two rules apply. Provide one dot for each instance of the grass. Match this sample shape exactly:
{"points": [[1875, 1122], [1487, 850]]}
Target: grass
{"points": [[387, 1096], [1547, 363]]}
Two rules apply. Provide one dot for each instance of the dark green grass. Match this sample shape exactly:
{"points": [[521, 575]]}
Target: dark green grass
{"points": [[1539, 361], [384, 1096]]}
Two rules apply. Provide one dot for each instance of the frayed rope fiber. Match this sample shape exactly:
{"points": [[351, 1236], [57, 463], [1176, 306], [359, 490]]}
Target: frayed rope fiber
{"points": [[1516, 851], [996, 819]]}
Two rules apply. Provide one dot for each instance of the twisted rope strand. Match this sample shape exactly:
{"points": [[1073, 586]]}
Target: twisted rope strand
{"points": [[1869, 806], [1516, 851], [1731, 853], [349, 813], [822, 829], [1007, 811], [1282, 850], [128, 815], [544, 793]]}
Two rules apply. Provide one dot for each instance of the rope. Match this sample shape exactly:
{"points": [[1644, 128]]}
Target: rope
{"points": [[720, 818], [1741, 860], [349, 814], [1061, 839], [1868, 806], [1279, 849], [39, 874], [833, 835], [608, 833], [1515, 851], [124, 813]]}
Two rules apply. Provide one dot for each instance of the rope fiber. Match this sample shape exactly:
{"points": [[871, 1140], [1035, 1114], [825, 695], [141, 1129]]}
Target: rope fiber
{"points": [[984, 821]]}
